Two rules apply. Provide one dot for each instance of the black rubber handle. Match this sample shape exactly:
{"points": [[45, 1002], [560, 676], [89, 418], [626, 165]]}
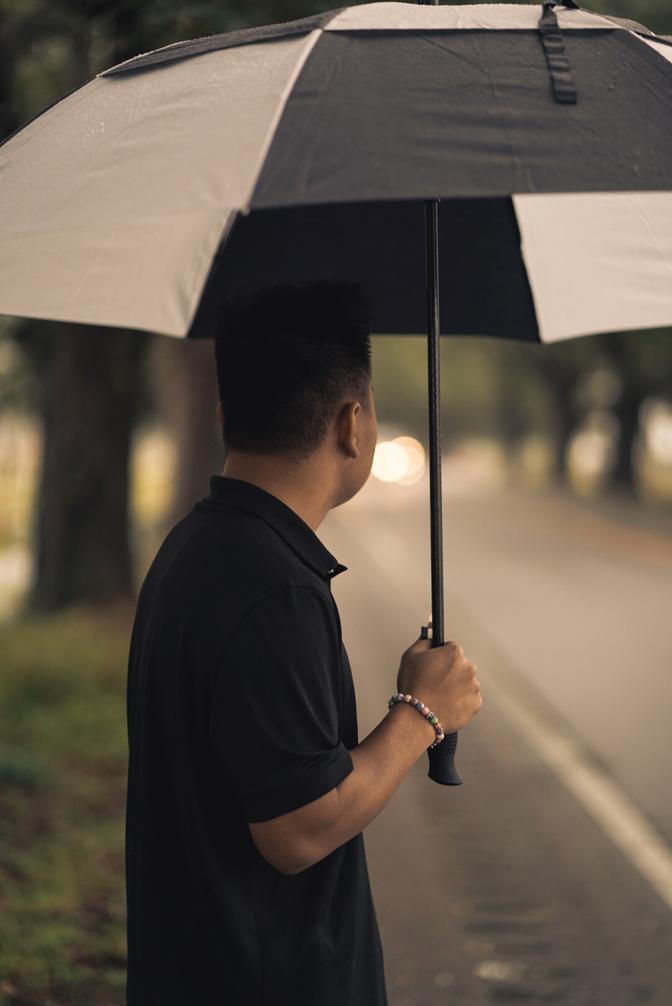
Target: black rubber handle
{"points": [[442, 762], [442, 757]]}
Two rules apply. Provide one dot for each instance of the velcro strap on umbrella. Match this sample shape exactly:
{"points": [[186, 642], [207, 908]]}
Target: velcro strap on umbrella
{"points": [[564, 88]]}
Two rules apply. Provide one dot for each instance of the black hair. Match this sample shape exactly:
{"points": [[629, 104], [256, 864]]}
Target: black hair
{"points": [[287, 355]]}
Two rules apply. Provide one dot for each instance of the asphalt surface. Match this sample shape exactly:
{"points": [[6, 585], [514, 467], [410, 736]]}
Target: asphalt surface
{"points": [[508, 888]]}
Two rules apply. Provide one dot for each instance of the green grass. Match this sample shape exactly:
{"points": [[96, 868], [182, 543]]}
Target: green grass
{"points": [[63, 759]]}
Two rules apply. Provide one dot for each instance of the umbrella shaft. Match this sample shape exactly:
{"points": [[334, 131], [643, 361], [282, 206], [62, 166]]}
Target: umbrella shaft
{"points": [[434, 382]]}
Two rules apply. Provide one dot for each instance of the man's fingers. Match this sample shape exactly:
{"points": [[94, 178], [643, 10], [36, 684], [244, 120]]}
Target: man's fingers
{"points": [[458, 652], [420, 645]]}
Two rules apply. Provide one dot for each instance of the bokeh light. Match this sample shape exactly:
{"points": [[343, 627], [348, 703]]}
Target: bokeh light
{"points": [[401, 460]]}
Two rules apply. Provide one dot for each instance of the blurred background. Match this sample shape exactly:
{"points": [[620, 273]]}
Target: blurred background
{"points": [[558, 527]]}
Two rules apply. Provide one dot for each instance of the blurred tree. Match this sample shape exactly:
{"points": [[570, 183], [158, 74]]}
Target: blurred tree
{"points": [[186, 394], [559, 368], [643, 361], [90, 395], [653, 14], [89, 376]]}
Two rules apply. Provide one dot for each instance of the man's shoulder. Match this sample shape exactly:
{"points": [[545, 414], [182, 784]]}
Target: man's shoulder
{"points": [[234, 554]]}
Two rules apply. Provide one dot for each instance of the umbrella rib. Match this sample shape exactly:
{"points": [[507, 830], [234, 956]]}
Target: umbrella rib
{"points": [[282, 104]]}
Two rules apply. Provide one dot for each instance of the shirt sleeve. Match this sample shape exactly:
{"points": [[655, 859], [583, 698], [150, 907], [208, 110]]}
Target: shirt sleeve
{"points": [[274, 723]]}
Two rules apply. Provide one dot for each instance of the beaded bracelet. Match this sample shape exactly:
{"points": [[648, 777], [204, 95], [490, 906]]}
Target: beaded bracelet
{"points": [[427, 713]]}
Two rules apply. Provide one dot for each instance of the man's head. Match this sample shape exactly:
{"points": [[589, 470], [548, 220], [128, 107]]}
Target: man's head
{"points": [[294, 377]]}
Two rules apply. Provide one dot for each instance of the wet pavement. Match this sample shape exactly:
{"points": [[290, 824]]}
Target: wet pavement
{"points": [[506, 888]]}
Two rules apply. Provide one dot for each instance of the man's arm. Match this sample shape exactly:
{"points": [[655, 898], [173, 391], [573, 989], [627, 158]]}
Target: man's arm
{"points": [[293, 842], [447, 679]]}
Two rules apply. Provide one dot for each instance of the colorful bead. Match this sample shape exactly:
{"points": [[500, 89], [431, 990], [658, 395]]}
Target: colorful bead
{"points": [[424, 710]]}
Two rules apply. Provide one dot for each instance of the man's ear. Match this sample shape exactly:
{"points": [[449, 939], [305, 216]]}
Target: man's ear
{"points": [[347, 419]]}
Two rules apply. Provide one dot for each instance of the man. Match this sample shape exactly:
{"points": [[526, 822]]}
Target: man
{"points": [[248, 788]]}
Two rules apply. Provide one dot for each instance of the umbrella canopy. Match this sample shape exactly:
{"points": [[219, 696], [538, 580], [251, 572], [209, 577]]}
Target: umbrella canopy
{"points": [[532, 146], [301, 150]]}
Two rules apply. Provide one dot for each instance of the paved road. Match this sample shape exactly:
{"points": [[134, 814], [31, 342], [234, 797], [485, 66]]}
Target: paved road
{"points": [[507, 888]]}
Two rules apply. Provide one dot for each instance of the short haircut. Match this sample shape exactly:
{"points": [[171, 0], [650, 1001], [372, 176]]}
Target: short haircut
{"points": [[287, 356]]}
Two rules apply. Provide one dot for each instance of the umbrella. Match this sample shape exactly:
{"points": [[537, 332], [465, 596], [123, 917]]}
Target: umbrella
{"points": [[532, 144]]}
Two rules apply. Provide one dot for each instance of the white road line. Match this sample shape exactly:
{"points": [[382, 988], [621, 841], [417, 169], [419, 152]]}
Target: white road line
{"points": [[600, 796], [597, 792]]}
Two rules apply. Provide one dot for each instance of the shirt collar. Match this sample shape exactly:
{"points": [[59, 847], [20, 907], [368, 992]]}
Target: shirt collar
{"points": [[292, 528]]}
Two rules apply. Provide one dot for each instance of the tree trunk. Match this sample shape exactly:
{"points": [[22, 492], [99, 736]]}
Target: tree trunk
{"points": [[618, 352], [187, 396], [511, 420], [626, 411], [561, 385], [89, 398]]}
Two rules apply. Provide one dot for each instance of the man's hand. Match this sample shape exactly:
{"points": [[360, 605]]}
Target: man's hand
{"points": [[444, 679]]}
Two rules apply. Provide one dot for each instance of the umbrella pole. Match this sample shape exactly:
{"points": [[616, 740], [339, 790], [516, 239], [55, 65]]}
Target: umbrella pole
{"points": [[441, 758]]}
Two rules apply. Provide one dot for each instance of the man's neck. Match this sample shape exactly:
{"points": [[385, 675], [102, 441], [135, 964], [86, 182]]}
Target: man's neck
{"points": [[299, 486]]}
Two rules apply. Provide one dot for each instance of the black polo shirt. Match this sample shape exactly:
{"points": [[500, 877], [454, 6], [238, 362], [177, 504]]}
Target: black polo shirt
{"points": [[241, 708]]}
